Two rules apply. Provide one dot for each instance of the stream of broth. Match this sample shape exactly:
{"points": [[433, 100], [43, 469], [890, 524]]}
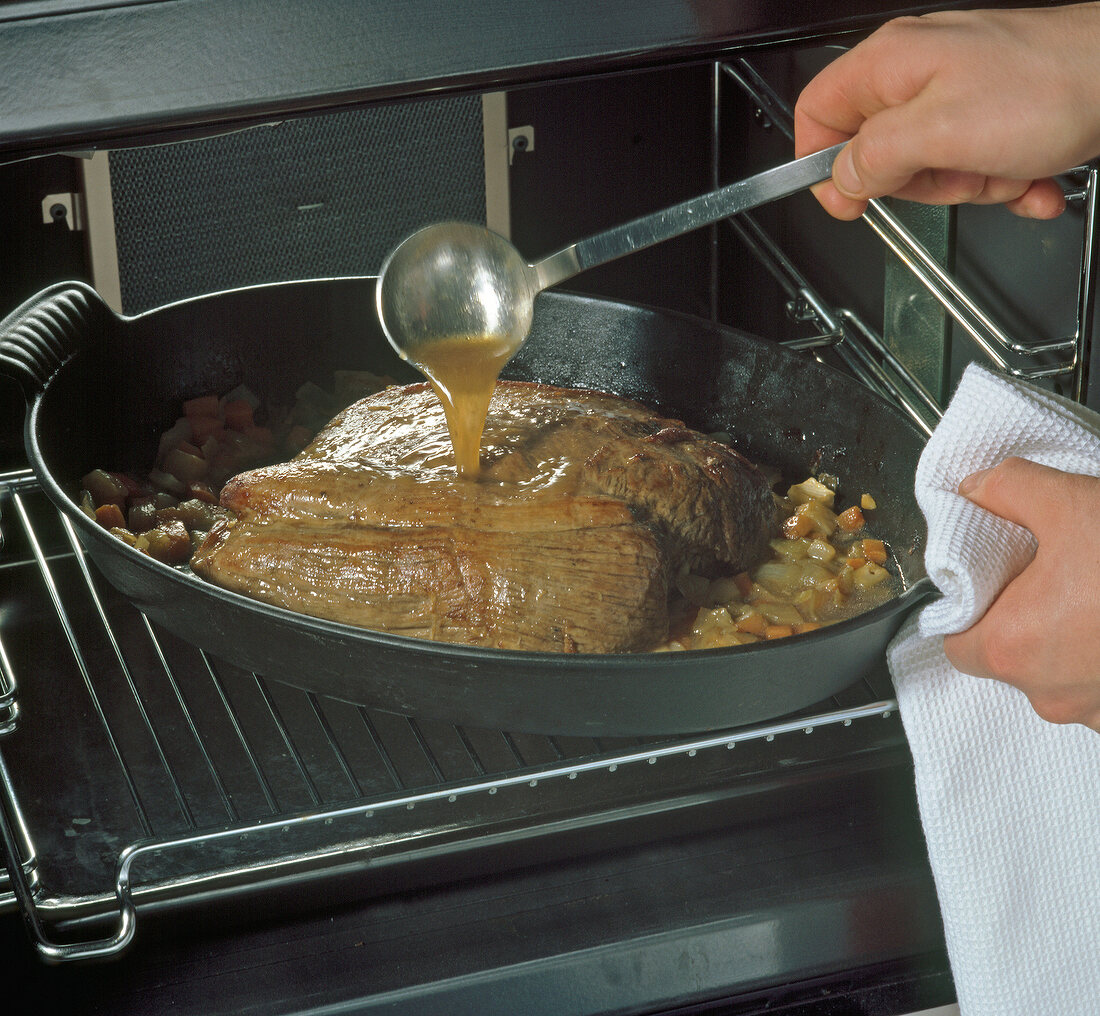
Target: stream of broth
{"points": [[463, 371]]}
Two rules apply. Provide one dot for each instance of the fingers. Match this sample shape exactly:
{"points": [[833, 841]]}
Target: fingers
{"points": [[1029, 199], [1039, 633], [1044, 199], [1061, 688]]}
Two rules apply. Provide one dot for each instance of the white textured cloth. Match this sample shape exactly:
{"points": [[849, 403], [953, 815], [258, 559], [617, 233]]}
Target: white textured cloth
{"points": [[1010, 804]]}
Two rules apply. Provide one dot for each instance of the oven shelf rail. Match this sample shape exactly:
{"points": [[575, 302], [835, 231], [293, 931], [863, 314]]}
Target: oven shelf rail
{"points": [[278, 859], [338, 831], [859, 346]]}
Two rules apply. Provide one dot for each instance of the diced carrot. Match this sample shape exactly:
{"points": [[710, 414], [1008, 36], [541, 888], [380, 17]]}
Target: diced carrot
{"points": [[851, 519], [797, 525], [855, 562], [778, 631], [203, 428], [806, 626], [753, 623], [261, 435], [110, 516], [238, 414], [743, 582], [874, 550], [204, 405]]}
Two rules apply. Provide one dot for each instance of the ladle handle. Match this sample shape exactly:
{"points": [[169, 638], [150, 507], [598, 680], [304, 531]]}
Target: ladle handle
{"points": [[651, 229]]}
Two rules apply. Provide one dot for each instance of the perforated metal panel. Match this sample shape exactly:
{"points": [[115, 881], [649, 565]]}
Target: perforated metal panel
{"points": [[322, 196]]}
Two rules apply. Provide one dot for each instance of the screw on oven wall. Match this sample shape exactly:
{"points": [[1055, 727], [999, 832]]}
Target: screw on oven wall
{"points": [[63, 208], [520, 139]]}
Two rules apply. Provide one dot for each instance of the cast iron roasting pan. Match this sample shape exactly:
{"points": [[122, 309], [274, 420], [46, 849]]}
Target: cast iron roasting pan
{"points": [[101, 388]]}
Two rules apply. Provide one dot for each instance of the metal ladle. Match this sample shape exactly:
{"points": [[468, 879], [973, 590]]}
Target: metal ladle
{"points": [[455, 279]]}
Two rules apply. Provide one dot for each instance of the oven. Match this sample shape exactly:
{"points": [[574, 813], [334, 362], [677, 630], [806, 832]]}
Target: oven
{"points": [[224, 842]]}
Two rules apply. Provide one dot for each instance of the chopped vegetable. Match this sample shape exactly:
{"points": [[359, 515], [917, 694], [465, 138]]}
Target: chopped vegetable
{"points": [[204, 405], [752, 621], [869, 575], [851, 519], [109, 516], [105, 488], [811, 490], [820, 571], [215, 438], [874, 550], [238, 414], [169, 542]]}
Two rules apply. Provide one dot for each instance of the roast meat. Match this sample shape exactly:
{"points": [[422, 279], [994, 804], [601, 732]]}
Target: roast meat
{"points": [[587, 509]]}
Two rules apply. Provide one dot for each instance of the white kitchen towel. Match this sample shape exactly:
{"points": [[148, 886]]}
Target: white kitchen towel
{"points": [[1010, 804]]}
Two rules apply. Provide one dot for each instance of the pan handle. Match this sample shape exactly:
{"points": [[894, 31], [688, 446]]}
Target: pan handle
{"points": [[43, 334]]}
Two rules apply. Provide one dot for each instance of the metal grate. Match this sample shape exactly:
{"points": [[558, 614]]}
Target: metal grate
{"points": [[137, 770], [860, 348], [325, 195]]}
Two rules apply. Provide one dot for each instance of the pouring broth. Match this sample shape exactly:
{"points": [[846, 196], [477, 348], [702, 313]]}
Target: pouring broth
{"points": [[463, 371]]}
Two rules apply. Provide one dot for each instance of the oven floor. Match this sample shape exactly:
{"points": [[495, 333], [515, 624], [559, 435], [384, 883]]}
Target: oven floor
{"points": [[793, 915]]}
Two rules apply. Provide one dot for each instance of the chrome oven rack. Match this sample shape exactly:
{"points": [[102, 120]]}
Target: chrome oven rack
{"points": [[860, 348], [137, 772]]}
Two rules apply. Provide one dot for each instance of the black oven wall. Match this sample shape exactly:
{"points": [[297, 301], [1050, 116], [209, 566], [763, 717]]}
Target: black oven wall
{"points": [[40, 246]]}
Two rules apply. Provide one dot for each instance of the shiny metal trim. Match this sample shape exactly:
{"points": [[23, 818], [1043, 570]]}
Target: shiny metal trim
{"points": [[978, 323]]}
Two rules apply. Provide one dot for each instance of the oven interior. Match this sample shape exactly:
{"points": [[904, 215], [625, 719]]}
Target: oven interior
{"points": [[145, 783]]}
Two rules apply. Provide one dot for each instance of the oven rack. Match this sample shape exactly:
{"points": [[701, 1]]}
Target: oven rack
{"points": [[138, 773], [860, 347]]}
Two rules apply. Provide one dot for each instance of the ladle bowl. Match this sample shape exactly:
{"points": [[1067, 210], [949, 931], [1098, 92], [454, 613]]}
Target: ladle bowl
{"points": [[459, 280]]}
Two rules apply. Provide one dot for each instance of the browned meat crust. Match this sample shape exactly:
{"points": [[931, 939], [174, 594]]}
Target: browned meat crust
{"points": [[587, 507]]}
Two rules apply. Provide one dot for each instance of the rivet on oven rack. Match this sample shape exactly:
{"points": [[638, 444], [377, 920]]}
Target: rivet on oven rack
{"points": [[801, 309]]}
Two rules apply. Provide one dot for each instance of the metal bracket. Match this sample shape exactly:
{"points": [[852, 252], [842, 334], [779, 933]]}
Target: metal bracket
{"points": [[67, 208], [520, 139]]}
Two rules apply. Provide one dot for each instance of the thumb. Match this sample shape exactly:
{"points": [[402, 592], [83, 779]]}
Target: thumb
{"points": [[1020, 491], [884, 155]]}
